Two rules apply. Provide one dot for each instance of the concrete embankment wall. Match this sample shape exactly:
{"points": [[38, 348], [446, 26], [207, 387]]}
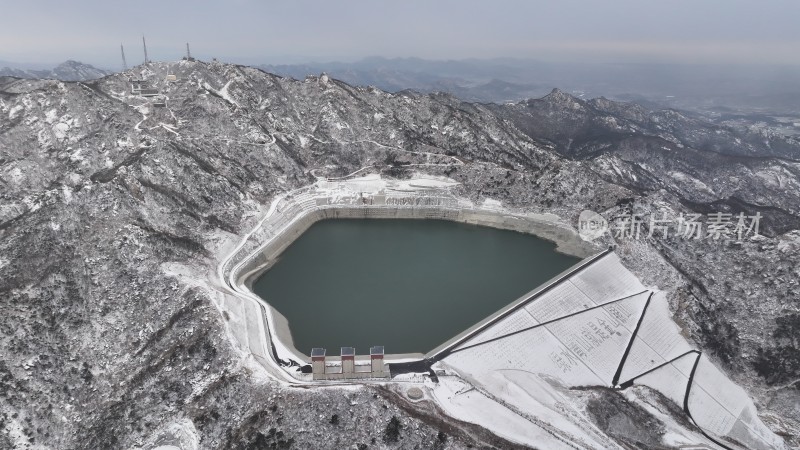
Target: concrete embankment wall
{"points": [[254, 264], [443, 349], [296, 218]]}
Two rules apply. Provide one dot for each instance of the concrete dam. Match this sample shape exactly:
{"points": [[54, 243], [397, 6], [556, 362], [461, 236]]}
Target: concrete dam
{"points": [[593, 325]]}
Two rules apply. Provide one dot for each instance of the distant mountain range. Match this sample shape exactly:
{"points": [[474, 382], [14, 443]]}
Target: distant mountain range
{"points": [[67, 71], [716, 91], [702, 88]]}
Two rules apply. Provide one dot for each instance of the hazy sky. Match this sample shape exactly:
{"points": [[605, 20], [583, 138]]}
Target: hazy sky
{"points": [[252, 31]]}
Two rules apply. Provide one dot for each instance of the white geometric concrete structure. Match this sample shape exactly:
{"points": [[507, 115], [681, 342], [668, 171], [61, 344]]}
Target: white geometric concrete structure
{"points": [[601, 327]]}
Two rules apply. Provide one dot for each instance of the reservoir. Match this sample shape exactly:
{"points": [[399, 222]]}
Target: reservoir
{"points": [[406, 284]]}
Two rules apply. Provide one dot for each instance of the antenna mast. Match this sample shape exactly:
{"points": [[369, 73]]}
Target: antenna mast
{"points": [[144, 44], [124, 63], [188, 53]]}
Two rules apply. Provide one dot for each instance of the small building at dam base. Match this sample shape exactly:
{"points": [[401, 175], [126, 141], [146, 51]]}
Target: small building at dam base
{"points": [[348, 366]]}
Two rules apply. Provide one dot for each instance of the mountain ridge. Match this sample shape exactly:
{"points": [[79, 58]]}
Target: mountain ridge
{"points": [[113, 211], [69, 70]]}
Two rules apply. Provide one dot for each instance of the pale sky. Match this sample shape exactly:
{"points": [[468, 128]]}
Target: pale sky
{"points": [[253, 31]]}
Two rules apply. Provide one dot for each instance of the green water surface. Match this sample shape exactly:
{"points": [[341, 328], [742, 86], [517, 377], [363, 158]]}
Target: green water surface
{"points": [[408, 285]]}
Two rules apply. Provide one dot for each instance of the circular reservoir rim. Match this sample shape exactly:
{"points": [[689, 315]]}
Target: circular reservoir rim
{"points": [[533, 226]]}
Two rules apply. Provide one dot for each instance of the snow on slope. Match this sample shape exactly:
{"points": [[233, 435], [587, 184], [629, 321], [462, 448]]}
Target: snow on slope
{"points": [[576, 335]]}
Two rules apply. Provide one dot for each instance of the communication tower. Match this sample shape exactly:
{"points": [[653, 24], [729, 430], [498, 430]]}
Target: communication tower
{"points": [[124, 62]]}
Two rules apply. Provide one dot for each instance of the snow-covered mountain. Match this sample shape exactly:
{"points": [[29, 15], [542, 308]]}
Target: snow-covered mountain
{"points": [[67, 71], [700, 87], [115, 207]]}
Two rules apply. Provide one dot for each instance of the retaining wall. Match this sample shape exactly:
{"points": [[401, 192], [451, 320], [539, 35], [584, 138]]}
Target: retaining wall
{"points": [[296, 214]]}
